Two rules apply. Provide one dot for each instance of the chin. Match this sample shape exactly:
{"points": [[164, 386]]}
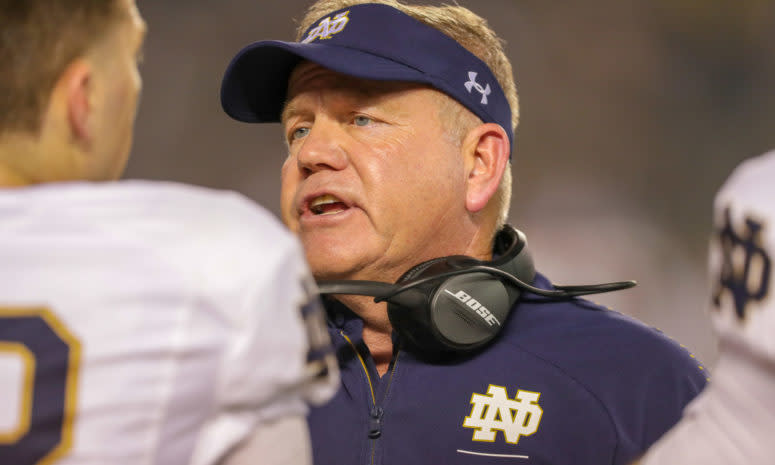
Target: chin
{"points": [[340, 252], [329, 266], [334, 262]]}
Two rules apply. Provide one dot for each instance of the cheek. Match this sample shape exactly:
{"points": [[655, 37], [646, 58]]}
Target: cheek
{"points": [[424, 165], [432, 178], [126, 106], [132, 87], [289, 181], [121, 104]]}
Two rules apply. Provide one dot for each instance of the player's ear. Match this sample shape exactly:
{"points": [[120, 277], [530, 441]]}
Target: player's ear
{"points": [[486, 150], [74, 92]]}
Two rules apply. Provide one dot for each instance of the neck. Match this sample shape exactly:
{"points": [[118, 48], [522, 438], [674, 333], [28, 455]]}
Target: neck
{"points": [[377, 330], [13, 151], [31, 159], [11, 178]]}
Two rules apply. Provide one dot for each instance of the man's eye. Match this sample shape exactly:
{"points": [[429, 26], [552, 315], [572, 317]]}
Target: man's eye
{"points": [[298, 133], [361, 120]]}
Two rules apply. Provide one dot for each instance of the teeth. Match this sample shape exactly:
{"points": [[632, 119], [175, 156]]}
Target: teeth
{"points": [[323, 200], [317, 205]]}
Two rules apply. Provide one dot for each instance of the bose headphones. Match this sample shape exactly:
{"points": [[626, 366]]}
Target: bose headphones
{"points": [[457, 304]]}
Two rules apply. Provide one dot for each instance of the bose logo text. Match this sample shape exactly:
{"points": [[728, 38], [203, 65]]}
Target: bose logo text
{"points": [[480, 309]]}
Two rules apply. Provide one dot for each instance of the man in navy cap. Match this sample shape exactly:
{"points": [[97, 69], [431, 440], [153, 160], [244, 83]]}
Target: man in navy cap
{"points": [[399, 122]]}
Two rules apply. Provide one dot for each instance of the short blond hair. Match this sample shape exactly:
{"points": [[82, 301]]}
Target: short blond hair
{"points": [[39, 39], [475, 35]]}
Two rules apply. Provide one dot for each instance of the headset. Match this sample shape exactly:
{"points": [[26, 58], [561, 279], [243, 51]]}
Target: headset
{"points": [[458, 304]]}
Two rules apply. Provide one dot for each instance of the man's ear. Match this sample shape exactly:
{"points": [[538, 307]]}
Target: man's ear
{"points": [[73, 91], [486, 149]]}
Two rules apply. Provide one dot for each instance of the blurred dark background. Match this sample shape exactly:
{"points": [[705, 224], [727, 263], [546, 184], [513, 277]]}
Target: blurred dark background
{"points": [[632, 114]]}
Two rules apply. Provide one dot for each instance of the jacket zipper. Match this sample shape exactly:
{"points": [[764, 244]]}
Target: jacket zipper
{"points": [[375, 410]]}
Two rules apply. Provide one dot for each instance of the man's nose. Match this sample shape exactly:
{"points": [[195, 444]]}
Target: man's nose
{"points": [[322, 148]]}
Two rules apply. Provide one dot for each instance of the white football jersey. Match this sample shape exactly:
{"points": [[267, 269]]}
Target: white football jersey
{"points": [[148, 323], [731, 422]]}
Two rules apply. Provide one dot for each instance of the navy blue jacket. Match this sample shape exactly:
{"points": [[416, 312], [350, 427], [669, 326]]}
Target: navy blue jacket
{"points": [[565, 383]]}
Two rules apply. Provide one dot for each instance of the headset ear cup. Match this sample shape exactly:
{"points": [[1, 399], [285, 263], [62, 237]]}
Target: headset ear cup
{"points": [[469, 310], [461, 313], [464, 312], [413, 324]]}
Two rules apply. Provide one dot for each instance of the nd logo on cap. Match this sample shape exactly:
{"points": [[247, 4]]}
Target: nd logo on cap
{"points": [[328, 27]]}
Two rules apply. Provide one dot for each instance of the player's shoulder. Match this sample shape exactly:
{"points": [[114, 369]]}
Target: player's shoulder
{"points": [[179, 223], [165, 210], [758, 167], [133, 197], [183, 201], [750, 181], [216, 225], [219, 210]]}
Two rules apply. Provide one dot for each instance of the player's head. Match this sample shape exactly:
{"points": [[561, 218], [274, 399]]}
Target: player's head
{"points": [[68, 88], [434, 94]]}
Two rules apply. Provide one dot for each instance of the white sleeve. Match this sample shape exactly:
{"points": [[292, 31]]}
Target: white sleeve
{"points": [[284, 441], [264, 374], [730, 423]]}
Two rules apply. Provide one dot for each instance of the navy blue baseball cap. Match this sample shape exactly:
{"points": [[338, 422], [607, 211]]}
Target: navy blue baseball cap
{"points": [[367, 41]]}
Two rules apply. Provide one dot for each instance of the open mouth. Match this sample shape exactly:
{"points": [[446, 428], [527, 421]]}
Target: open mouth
{"points": [[327, 205]]}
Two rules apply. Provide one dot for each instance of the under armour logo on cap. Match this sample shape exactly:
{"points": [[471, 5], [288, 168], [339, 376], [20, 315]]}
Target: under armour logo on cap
{"points": [[472, 84]]}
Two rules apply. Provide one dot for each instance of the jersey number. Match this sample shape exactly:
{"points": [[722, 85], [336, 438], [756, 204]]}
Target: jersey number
{"points": [[39, 360]]}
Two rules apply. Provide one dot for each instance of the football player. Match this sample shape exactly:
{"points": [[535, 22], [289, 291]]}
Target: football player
{"points": [[732, 421], [140, 322]]}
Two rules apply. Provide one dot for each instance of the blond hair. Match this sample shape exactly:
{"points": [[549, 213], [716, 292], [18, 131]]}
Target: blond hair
{"points": [[474, 34], [39, 39]]}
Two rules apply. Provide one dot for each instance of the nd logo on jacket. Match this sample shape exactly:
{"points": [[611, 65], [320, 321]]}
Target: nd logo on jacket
{"points": [[495, 411]]}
